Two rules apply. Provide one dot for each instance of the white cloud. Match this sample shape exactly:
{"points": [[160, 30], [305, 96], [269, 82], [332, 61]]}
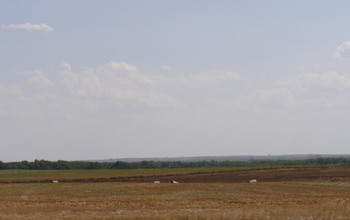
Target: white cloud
{"points": [[342, 51], [212, 77], [112, 104], [319, 81], [40, 80], [66, 66], [215, 76], [37, 77], [118, 81], [318, 92], [29, 27], [215, 91], [166, 68], [122, 66], [35, 72], [8, 90], [275, 98]]}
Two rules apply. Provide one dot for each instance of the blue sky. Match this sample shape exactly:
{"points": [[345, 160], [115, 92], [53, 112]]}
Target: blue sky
{"points": [[111, 79]]}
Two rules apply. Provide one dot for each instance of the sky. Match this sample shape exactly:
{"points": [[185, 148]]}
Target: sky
{"points": [[86, 79]]}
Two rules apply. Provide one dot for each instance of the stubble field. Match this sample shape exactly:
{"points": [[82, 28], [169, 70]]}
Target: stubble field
{"points": [[323, 196]]}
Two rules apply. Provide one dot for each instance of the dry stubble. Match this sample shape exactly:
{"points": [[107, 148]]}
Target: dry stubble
{"points": [[282, 200]]}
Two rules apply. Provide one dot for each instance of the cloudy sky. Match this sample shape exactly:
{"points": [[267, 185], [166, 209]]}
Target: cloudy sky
{"points": [[110, 79]]}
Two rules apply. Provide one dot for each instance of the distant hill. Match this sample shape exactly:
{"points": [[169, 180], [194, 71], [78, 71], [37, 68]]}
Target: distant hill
{"points": [[231, 158]]}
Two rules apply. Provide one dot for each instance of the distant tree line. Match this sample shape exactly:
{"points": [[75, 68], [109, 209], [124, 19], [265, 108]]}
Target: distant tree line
{"points": [[85, 165]]}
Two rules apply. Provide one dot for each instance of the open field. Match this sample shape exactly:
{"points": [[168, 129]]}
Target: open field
{"points": [[214, 195], [33, 175], [281, 200], [188, 175]]}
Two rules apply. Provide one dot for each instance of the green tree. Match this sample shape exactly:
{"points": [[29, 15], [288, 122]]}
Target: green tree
{"points": [[2, 165]]}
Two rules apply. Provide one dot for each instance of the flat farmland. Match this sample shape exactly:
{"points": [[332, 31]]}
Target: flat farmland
{"points": [[199, 195]]}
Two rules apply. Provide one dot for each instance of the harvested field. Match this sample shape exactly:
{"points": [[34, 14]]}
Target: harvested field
{"points": [[319, 197], [281, 200]]}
